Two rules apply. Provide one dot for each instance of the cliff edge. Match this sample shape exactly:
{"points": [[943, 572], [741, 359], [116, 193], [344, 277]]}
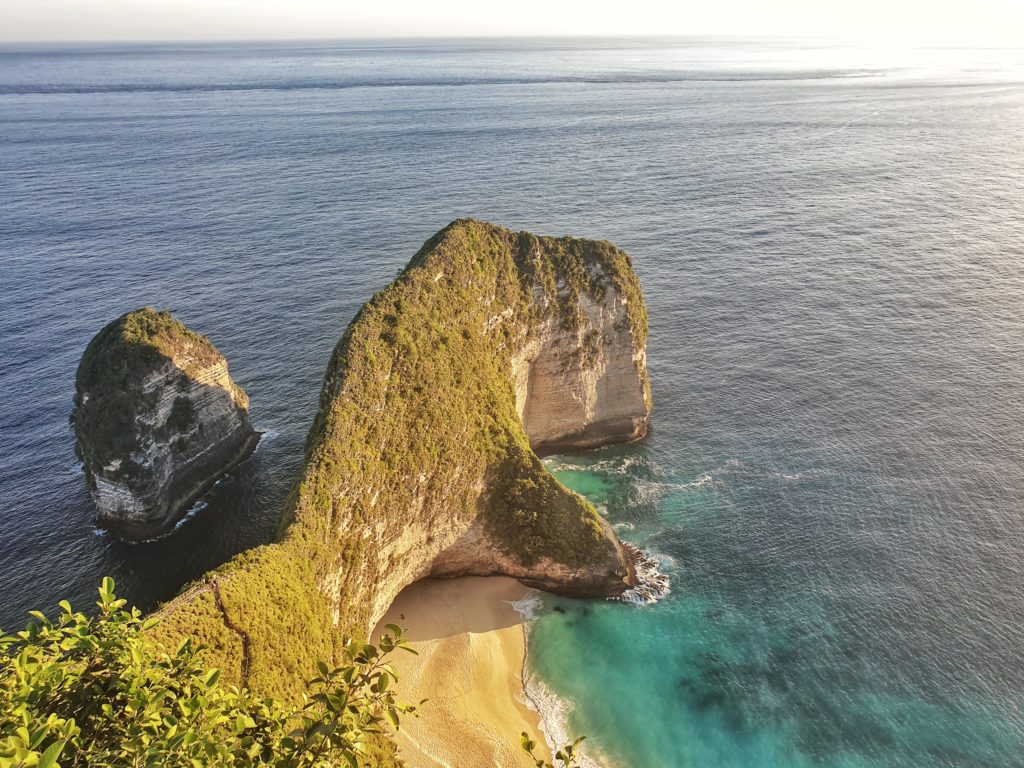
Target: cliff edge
{"points": [[422, 459], [157, 420]]}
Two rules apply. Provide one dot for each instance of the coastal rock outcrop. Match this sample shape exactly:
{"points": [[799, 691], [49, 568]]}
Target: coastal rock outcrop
{"points": [[157, 420], [581, 384], [422, 459]]}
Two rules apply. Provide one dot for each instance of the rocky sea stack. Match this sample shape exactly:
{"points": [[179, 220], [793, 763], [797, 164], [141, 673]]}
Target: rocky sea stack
{"points": [[422, 460], [158, 420]]}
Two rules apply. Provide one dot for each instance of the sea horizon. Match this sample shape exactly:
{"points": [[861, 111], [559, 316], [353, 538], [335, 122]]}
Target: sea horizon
{"points": [[830, 249]]}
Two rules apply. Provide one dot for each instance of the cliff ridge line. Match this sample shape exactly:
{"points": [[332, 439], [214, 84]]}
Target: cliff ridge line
{"points": [[422, 460]]}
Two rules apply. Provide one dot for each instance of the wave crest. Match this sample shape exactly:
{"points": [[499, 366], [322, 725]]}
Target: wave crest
{"points": [[653, 584]]}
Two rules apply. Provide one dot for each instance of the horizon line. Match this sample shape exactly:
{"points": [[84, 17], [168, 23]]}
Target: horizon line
{"points": [[833, 40]]}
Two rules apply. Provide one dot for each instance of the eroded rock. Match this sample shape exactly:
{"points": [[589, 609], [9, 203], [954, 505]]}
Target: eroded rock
{"points": [[157, 420], [422, 459]]}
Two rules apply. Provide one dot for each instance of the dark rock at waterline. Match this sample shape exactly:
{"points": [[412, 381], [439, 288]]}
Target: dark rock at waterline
{"points": [[157, 420]]}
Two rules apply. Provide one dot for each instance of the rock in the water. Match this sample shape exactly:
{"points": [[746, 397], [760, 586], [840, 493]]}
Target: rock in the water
{"points": [[158, 420], [491, 345]]}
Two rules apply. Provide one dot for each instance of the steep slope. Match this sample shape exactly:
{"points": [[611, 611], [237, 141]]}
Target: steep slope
{"points": [[157, 420], [419, 463]]}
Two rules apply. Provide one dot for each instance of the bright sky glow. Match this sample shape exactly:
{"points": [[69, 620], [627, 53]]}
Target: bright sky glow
{"points": [[943, 22]]}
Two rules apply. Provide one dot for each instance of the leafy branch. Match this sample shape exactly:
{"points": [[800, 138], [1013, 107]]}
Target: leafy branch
{"points": [[90, 691]]}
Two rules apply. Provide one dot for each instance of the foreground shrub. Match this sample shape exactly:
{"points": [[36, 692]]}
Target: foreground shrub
{"points": [[84, 691], [565, 757]]}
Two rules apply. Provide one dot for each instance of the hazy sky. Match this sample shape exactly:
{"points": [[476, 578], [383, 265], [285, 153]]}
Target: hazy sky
{"points": [[958, 22]]}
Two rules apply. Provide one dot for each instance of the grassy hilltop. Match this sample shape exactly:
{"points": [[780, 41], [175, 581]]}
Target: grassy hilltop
{"points": [[416, 434]]}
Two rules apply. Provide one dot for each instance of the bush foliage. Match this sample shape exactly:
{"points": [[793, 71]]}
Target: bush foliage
{"points": [[565, 757], [81, 691]]}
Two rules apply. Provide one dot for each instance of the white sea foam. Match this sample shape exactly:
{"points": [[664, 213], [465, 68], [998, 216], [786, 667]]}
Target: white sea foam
{"points": [[554, 714], [700, 482], [617, 465], [553, 710], [194, 510], [793, 476], [667, 562], [529, 606], [651, 491], [653, 584], [266, 437]]}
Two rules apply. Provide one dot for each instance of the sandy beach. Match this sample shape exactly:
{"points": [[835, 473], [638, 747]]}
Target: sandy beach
{"points": [[471, 647]]}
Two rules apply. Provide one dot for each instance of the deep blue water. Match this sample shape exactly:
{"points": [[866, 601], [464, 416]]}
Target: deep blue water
{"points": [[831, 242]]}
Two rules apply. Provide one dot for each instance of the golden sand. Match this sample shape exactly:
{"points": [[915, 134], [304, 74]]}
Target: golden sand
{"points": [[471, 645]]}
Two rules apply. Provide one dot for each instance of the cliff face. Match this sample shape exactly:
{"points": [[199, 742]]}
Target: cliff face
{"points": [[158, 420], [421, 459], [584, 384]]}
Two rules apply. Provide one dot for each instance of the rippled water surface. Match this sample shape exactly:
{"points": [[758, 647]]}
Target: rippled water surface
{"points": [[831, 243]]}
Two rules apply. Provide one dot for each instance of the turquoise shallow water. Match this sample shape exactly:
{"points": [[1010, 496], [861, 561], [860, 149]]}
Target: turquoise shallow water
{"points": [[760, 657], [729, 671], [831, 245]]}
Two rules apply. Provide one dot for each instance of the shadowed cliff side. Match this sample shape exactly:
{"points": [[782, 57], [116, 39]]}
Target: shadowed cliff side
{"points": [[157, 420], [419, 463]]}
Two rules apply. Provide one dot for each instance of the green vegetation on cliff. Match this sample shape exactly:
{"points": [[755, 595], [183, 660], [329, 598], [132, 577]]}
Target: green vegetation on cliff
{"points": [[86, 692], [416, 437], [90, 692], [109, 393]]}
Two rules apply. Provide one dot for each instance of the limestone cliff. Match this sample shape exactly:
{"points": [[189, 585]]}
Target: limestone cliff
{"points": [[158, 420], [421, 459], [581, 377]]}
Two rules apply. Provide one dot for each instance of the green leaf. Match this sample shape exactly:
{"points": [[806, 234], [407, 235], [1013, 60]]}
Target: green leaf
{"points": [[137, 655], [49, 758]]}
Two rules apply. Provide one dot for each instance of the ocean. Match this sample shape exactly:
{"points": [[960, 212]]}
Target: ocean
{"points": [[831, 243]]}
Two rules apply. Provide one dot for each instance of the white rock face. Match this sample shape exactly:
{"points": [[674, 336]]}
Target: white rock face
{"points": [[179, 464], [583, 387], [189, 424], [475, 553]]}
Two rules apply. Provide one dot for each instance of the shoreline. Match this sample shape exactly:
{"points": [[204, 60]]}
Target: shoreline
{"points": [[552, 709], [471, 637]]}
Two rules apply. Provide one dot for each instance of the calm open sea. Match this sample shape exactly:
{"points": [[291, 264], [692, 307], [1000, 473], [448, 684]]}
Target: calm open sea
{"points": [[831, 241]]}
